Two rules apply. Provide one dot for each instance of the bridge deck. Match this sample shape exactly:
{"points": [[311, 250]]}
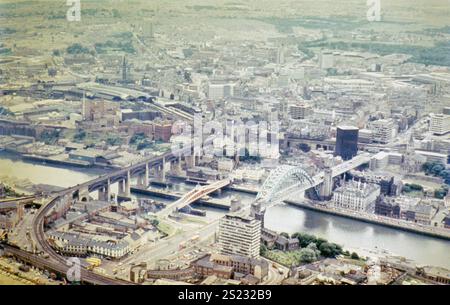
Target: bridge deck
{"points": [[194, 195], [271, 199]]}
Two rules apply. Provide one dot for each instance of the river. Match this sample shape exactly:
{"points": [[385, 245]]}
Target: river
{"points": [[283, 218]]}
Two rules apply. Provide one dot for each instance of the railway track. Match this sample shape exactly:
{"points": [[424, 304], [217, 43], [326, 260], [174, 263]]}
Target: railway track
{"points": [[56, 261]]}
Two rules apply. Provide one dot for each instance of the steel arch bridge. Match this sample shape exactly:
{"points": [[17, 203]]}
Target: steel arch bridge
{"points": [[283, 182]]}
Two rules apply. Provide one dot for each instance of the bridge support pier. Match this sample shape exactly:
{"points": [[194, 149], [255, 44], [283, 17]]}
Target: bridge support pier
{"points": [[121, 190], [83, 194], [161, 171], [146, 174], [124, 186], [103, 194], [108, 190], [128, 185], [190, 161], [153, 171], [142, 180], [175, 166], [326, 187]]}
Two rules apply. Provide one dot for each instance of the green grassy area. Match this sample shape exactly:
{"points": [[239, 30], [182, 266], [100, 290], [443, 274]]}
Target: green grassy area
{"points": [[165, 228], [287, 259], [414, 194], [193, 220], [358, 262], [295, 258], [112, 46]]}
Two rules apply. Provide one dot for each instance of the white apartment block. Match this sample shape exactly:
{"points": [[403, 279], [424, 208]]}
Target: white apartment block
{"points": [[355, 196], [433, 156], [300, 111], [379, 160], [382, 159], [239, 235], [439, 123], [383, 131], [326, 60], [220, 91]]}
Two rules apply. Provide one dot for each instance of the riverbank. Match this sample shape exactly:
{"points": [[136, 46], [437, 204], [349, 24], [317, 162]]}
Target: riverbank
{"points": [[364, 217], [379, 220], [54, 161], [22, 173], [350, 233]]}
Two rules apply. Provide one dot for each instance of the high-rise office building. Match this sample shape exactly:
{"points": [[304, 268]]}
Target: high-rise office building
{"points": [[239, 235], [346, 142]]}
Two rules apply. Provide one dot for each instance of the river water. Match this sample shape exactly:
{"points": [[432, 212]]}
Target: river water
{"points": [[283, 218]]}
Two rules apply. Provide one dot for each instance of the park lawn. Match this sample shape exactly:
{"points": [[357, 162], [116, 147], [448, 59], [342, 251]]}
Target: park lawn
{"points": [[287, 258], [358, 262], [166, 228], [193, 220], [414, 194]]}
